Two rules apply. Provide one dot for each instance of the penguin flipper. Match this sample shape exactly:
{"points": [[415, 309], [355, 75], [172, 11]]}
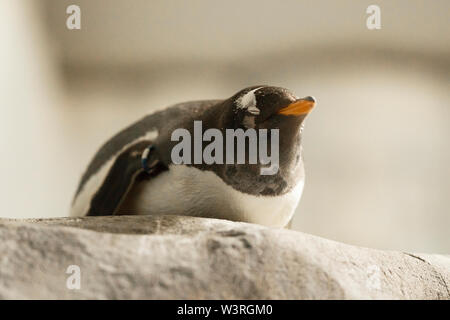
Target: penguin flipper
{"points": [[126, 168]]}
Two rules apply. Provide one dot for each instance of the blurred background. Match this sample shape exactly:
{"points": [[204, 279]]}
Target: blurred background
{"points": [[377, 146]]}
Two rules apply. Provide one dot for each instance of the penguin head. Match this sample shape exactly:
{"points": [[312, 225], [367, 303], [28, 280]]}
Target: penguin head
{"points": [[282, 114], [270, 107], [266, 107]]}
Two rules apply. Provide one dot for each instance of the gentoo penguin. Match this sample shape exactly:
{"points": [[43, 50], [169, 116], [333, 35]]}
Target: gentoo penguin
{"points": [[134, 172]]}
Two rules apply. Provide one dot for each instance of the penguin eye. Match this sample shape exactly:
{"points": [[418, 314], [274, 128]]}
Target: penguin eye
{"points": [[253, 110]]}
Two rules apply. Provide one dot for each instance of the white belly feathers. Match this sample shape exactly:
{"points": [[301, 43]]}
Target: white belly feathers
{"points": [[184, 190]]}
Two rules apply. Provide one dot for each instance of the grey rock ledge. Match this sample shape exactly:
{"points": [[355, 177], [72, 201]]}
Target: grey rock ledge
{"points": [[171, 257]]}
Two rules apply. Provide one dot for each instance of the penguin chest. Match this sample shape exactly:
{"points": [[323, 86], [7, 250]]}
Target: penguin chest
{"points": [[184, 190]]}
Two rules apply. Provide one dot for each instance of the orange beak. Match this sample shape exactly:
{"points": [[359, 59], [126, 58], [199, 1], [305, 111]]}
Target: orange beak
{"points": [[299, 107]]}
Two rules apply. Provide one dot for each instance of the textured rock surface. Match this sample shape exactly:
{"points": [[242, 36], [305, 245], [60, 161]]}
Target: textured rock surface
{"points": [[195, 258]]}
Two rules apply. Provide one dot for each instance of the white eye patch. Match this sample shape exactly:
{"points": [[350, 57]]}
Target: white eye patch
{"points": [[248, 101]]}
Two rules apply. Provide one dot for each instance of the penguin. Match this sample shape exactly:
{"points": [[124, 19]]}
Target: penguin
{"points": [[133, 173]]}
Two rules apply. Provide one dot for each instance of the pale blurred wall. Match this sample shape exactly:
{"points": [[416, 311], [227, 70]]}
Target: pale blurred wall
{"points": [[34, 151], [376, 147]]}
